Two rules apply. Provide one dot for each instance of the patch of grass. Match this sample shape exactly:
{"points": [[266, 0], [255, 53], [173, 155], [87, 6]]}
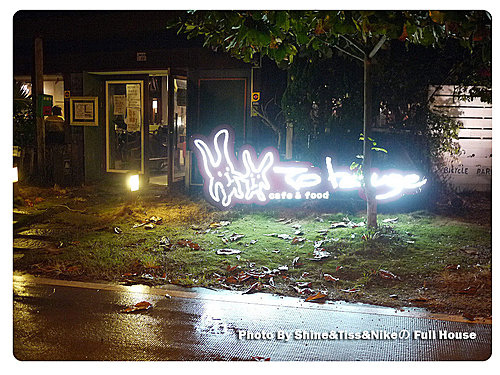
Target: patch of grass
{"points": [[417, 248]]}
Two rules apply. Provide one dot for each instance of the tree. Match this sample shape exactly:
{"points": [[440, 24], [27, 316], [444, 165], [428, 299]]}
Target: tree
{"points": [[359, 35], [23, 117]]}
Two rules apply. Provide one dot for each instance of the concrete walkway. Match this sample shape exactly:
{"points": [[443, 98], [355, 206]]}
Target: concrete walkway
{"points": [[67, 320]]}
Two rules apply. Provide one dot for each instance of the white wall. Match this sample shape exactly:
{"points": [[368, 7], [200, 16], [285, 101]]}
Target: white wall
{"points": [[471, 171]]}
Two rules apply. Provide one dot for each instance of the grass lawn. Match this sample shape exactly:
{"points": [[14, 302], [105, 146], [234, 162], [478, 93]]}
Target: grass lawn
{"points": [[441, 262]]}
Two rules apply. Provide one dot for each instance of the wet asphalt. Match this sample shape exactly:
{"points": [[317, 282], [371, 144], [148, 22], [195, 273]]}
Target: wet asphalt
{"points": [[62, 320]]}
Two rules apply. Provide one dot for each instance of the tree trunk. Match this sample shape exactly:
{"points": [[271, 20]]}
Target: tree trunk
{"points": [[371, 202]]}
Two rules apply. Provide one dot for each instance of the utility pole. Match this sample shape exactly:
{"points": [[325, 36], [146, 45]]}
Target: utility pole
{"points": [[37, 89]]}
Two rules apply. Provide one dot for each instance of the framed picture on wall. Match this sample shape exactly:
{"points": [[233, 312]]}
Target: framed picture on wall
{"points": [[83, 111]]}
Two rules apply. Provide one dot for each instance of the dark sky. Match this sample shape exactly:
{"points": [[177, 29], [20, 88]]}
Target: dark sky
{"points": [[63, 31]]}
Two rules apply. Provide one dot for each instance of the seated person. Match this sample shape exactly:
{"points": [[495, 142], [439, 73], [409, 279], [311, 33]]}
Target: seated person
{"points": [[54, 127]]}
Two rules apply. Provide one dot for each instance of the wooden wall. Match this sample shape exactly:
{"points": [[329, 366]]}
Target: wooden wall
{"points": [[471, 171]]}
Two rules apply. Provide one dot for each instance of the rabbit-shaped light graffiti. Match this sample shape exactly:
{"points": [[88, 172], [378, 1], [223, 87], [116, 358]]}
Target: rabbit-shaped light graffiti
{"points": [[226, 182], [255, 177]]}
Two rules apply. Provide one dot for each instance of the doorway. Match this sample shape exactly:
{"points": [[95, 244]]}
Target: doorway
{"points": [[161, 127]]}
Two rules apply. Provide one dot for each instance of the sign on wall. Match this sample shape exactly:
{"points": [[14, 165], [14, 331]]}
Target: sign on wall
{"points": [[229, 180], [83, 111]]}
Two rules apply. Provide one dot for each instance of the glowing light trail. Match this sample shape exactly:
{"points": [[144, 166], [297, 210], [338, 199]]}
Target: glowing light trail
{"points": [[252, 179]]}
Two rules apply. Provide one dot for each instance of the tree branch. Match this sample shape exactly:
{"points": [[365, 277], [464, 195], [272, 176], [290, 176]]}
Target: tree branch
{"points": [[341, 50], [347, 53], [354, 44]]}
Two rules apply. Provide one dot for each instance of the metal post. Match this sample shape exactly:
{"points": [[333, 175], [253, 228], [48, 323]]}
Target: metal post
{"points": [[289, 141], [171, 130]]}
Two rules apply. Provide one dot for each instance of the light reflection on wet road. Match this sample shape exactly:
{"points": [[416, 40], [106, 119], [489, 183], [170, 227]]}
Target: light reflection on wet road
{"points": [[54, 321]]}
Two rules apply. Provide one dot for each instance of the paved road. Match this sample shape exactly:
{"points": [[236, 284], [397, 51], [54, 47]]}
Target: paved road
{"points": [[60, 320]]}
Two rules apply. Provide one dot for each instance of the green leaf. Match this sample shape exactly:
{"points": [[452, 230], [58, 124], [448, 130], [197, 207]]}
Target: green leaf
{"points": [[281, 19], [379, 149]]}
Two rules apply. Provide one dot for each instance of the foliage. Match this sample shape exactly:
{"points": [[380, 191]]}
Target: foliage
{"points": [[281, 35], [24, 119], [357, 167], [324, 93], [323, 102]]}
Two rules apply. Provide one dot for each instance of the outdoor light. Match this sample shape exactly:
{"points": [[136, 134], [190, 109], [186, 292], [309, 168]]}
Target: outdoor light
{"points": [[133, 182], [15, 175], [252, 179]]}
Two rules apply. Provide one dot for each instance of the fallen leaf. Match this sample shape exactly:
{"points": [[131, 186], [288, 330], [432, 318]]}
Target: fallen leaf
{"points": [[316, 297], [340, 224], [231, 269], [73, 269], [468, 290], [155, 219], [390, 220], [235, 237], [305, 284], [227, 251], [297, 240], [388, 275], [295, 262], [318, 244], [140, 306], [117, 230], [231, 280], [254, 288], [468, 316], [303, 291], [319, 254], [243, 277], [329, 277]]}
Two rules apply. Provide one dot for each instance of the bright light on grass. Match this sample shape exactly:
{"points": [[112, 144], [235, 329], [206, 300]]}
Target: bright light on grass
{"points": [[133, 182]]}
